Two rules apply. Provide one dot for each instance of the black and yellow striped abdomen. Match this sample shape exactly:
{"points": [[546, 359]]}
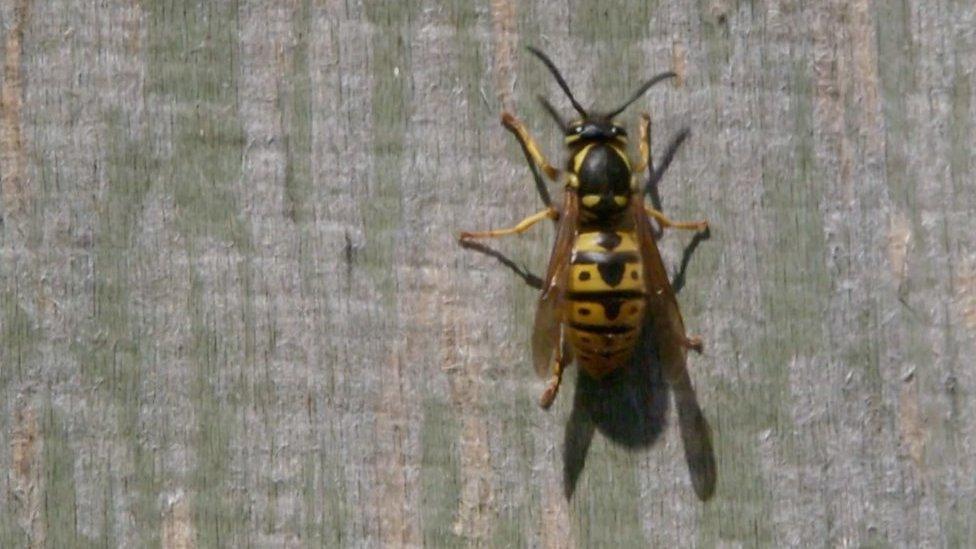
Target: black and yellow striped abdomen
{"points": [[606, 299]]}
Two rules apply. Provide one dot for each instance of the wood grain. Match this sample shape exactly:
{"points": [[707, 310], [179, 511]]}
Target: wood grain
{"points": [[233, 311]]}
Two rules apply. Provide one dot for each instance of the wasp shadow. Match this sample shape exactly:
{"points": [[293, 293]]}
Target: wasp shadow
{"points": [[522, 272], [630, 405], [678, 282], [535, 281]]}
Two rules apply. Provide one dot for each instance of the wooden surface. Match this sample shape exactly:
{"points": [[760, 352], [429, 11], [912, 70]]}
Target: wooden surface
{"points": [[233, 313]]}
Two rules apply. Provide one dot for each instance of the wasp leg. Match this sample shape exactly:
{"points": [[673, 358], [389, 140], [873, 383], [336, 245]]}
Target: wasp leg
{"points": [[654, 175], [695, 343], [537, 178], [647, 157], [516, 126], [552, 389], [548, 213], [644, 145], [666, 222]]}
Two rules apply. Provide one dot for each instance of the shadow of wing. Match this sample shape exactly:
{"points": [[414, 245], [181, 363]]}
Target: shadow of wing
{"points": [[629, 406], [696, 437]]}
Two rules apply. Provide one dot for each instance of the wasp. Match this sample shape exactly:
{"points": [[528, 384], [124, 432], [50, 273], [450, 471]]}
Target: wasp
{"points": [[606, 286], [605, 277]]}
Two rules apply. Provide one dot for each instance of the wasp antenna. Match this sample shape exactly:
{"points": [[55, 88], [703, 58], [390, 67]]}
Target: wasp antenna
{"points": [[646, 86], [559, 79], [553, 113]]}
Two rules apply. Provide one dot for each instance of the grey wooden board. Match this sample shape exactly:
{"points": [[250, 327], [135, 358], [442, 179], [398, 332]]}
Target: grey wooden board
{"points": [[232, 309]]}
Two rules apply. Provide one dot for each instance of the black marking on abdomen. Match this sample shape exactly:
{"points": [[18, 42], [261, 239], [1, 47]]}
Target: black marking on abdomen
{"points": [[600, 296], [611, 308], [608, 354], [600, 328], [612, 272], [611, 265], [608, 241]]}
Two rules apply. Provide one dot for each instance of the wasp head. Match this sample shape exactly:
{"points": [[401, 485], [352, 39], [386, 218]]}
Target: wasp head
{"points": [[594, 129], [591, 127]]}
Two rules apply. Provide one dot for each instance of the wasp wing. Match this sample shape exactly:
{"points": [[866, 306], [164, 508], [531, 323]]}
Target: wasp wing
{"points": [[667, 326], [548, 313], [668, 338]]}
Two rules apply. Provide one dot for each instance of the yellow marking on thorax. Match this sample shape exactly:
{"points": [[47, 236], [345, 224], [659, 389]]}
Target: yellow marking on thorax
{"points": [[622, 153], [579, 156], [591, 200]]}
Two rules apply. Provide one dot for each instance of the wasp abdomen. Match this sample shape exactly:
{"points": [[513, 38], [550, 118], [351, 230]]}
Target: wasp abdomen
{"points": [[606, 299]]}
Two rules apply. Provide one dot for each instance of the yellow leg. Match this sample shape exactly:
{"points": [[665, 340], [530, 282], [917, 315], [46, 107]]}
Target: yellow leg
{"points": [[548, 213], [667, 223], [516, 126], [552, 389], [644, 145], [695, 343]]}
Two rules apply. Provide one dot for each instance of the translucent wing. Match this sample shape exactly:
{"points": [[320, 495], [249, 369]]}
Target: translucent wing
{"points": [[668, 338], [548, 313], [667, 326]]}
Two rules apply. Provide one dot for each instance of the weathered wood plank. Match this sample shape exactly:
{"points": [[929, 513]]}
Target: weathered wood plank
{"points": [[233, 311]]}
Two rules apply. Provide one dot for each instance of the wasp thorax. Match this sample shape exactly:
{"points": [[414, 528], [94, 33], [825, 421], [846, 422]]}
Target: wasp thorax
{"points": [[604, 177]]}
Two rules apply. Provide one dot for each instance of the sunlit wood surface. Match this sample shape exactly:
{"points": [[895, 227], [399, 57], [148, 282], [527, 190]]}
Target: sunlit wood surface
{"points": [[233, 311]]}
